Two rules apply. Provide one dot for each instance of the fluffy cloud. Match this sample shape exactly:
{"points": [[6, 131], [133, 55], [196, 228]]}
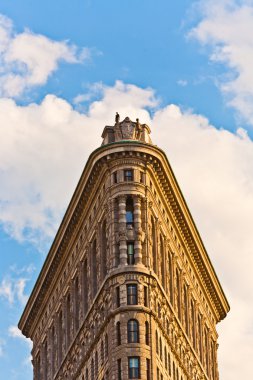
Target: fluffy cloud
{"points": [[43, 150], [13, 289], [6, 290], [28, 59], [227, 27], [42, 156]]}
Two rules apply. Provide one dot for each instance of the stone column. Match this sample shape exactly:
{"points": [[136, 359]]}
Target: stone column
{"points": [[122, 231], [138, 230]]}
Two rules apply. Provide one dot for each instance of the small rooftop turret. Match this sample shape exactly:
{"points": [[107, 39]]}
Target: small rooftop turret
{"points": [[126, 130]]}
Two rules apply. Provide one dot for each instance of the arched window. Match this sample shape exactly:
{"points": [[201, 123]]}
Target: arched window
{"points": [[133, 331], [147, 333], [118, 333], [129, 212]]}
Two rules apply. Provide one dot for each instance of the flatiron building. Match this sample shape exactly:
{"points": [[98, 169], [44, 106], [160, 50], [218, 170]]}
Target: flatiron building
{"points": [[127, 290]]}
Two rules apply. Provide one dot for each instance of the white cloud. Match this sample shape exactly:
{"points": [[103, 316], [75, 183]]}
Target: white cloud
{"points": [[227, 27], [43, 155], [12, 289], [15, 333], [28, 59], [43, 150], [6, 290], [182, 82]]}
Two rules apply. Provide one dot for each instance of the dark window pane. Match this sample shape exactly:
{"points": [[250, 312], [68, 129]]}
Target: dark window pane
{"points": [[133, 331], [119, 369], [130, 253], [118, 333], [134, 367], [132, 294], [128, 175], [145, 296], [118, 296], [129, 211]]}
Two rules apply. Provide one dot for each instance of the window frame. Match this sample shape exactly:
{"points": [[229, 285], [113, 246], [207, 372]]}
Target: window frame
{"points": [[134, 372], [133, 333], [132, 297], [128, 175], [130, 256]]}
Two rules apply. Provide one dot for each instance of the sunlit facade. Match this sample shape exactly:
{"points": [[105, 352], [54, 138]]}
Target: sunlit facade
{"points": [[127, 290]]}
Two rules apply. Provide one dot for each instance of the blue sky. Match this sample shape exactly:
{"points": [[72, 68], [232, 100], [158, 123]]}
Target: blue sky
{"points": [[183, 67]]}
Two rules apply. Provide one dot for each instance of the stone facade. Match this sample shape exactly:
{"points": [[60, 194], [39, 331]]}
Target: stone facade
{"points": [[127, 290]]}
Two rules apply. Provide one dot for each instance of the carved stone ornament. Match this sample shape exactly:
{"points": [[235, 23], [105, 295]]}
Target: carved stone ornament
{"points": [[127, 129]]}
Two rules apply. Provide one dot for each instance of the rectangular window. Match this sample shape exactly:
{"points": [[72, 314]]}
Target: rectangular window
{"points": [[145, 295], [118, 332], [115, 177], [134, 367], [132, 296], [130, 253], [141, 177], [118, 296], [128, 175], [119, 369], [148, 368]]}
